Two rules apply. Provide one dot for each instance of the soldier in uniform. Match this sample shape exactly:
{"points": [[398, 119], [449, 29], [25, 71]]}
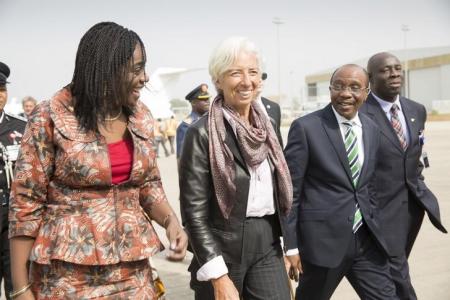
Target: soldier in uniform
{"points": [[199, 99], [11, 130]]}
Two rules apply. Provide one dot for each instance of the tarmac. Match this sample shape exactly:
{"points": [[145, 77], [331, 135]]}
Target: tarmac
{"points": [[429, 261]]}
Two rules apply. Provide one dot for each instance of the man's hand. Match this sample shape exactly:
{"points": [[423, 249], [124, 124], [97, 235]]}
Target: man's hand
{"points": [[296, 268], [224, 289]]}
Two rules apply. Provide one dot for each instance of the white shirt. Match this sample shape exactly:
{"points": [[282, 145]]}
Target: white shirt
{"points": [[260, 203], [386, 106], [357, 129]]}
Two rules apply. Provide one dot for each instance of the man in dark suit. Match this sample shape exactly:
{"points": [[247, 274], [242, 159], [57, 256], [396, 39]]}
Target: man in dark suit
{"points": [[333, 223], [272, 108], [400, 186]]}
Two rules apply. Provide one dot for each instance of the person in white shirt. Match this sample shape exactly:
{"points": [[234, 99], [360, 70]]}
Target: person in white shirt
{"points": [[235, 186]]}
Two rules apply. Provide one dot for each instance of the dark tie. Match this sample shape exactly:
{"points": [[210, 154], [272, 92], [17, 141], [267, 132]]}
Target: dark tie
{"points": [[397, 125], [351, 147]]}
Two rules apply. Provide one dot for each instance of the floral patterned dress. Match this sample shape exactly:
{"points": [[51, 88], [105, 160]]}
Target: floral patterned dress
{"points": [[92, 239]]}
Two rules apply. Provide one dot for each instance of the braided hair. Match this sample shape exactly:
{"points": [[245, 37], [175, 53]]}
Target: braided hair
{"points": [[103, 60]]}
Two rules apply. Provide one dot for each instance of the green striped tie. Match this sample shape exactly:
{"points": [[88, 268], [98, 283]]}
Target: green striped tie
{"points": [[351, 147]]}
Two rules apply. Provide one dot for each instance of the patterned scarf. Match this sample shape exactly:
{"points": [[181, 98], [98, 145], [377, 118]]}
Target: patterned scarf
{"points": [[256, 142]]}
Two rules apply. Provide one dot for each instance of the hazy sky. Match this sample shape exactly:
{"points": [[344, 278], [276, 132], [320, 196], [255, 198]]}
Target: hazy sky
{"points": [[39, 38]]}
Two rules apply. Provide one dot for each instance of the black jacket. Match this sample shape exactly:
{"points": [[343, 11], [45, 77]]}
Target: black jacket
{"points": [[210, 234]]}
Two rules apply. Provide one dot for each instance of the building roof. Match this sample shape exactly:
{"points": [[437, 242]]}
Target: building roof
{"points": [[417, 58]]}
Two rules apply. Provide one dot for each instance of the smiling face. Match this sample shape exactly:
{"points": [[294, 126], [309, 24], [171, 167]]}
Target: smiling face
{"points": [[348, 90], [239, 84], [137, 77], [386, 76]]}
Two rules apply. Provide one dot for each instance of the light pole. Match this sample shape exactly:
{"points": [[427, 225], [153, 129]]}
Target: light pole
{"points": [[405, 29], [277, 21]]}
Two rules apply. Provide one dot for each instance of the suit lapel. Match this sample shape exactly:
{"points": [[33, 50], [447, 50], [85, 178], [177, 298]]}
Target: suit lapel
{"points": [[375, 111], [331, 127]]}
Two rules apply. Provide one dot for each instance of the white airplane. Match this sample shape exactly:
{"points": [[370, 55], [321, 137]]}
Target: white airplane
{"points": [[156, 95]]}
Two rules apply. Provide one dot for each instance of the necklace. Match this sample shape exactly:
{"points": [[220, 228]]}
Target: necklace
{"points": [[114, 118]]}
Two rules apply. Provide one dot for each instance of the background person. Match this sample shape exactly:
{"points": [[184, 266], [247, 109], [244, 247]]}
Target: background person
{"points": [[11, 131], [235, 186], [85, 176], [160, 136], [271, 108], [199, 99], [28, 104], [401, 190], [171, 130]]}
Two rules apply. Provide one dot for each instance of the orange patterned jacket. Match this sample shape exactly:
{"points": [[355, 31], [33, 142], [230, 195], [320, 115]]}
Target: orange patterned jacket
{"points": [[63, 196]]}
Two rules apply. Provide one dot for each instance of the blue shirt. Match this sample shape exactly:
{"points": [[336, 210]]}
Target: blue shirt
{"points": [[182, 128]]}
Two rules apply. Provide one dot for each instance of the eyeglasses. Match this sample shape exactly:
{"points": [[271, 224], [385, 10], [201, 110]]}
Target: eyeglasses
{"points": [[354, 89]]}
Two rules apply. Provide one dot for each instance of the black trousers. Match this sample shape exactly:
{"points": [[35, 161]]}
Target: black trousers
{"points": [[5, 264], [399, 265], [365, 266], [261, 275]]}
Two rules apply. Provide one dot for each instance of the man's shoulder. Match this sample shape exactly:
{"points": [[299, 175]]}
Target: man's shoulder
{"points": [[411, 103], [266, 101], [16, 119]]}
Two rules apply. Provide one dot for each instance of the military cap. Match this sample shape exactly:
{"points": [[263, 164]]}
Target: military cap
{"points": [[198, 93], [4, 73]]}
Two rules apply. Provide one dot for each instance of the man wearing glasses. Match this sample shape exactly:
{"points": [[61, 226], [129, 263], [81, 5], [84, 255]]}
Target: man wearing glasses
{"points": [[400, 186], [333, 229]]}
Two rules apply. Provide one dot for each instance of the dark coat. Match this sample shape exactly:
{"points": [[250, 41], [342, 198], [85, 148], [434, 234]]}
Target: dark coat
{"points": [[321, 219], [399, 174]]}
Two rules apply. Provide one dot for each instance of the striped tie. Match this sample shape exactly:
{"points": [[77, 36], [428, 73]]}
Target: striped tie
{"points": [[351, 147], [395, 121]]}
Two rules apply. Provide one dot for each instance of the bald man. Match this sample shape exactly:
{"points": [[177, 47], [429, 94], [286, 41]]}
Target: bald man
{"points": [[400, 186]]}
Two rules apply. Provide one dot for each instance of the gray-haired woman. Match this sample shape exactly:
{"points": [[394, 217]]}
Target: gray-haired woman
{"points": [[235, 186]]}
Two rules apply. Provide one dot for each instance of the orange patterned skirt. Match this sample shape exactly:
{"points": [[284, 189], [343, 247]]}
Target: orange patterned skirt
{"points": [[64, 280]]}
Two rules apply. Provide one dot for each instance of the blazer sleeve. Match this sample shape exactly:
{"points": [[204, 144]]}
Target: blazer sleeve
{"points": [[34, 168], [296, 154], [196, 193]]}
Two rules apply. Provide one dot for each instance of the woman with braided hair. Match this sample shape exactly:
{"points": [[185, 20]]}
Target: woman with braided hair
{"points": [[85, 178]]}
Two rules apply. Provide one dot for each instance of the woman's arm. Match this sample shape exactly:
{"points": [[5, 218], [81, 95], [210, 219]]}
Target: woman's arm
{"points": [[34, 167], [153, 200], [20, 248]]}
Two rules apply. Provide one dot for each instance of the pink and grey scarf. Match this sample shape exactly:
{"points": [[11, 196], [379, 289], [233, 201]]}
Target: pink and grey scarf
{"points": [[256, 142]]}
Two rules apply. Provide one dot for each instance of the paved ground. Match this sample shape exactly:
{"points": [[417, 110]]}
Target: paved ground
{"points": [[429, 261]]}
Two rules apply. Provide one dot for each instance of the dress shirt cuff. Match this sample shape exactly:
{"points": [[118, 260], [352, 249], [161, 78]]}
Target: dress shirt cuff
{"points": [[213, 269], [292, 252]]}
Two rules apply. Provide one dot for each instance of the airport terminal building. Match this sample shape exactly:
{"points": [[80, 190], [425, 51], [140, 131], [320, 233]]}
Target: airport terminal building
{"points": [[427, 78]]}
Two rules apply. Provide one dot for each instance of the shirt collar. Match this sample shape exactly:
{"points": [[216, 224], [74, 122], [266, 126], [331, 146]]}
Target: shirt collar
{"points": [[2, 116], [355, 121], [386, 105]]}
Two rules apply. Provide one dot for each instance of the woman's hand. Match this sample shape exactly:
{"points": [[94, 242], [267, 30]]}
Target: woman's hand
{"points": [[224, 288], [178, 240]]}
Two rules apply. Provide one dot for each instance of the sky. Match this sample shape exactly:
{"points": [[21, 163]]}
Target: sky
{"points": [[39, 39]]}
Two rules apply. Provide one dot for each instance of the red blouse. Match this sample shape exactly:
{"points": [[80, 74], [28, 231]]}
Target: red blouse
{"points": [[121, 158]]}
